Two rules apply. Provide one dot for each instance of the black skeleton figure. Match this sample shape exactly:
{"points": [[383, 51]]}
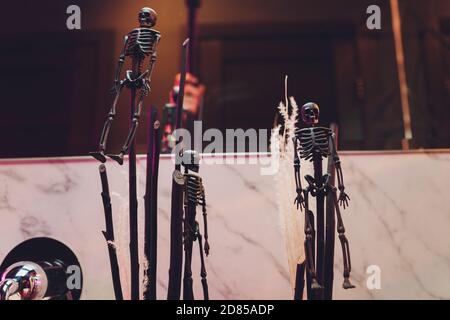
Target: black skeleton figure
{"points": [[138, 44], [194, 195], [313, 143]]}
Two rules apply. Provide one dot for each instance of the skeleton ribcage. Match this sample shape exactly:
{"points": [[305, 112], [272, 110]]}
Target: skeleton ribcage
{"points": [[142, 41], [195, 193], [313, 140]]}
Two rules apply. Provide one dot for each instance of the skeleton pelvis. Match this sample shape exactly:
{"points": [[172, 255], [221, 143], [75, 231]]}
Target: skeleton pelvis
{"points": [[134, 81], [316, 187]]}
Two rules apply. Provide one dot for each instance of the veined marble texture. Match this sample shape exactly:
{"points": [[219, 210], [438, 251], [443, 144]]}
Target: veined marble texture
{"points": [[398, 220]]}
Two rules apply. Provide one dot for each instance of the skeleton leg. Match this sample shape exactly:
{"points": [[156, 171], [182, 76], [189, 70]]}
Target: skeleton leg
{"points": [[205, 221], [344, 244], [132, 132], [100, 154], [189, 237], [309, 244], [145, 89], [203, 273], [188, 293]]}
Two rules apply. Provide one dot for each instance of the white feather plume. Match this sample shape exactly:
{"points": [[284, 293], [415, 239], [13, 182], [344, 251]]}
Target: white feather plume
{"points": [[282, 150], [121, 224]]}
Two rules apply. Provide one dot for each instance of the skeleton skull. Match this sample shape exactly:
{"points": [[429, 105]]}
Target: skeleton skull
{"points": [[147, 17], [310, 113]]}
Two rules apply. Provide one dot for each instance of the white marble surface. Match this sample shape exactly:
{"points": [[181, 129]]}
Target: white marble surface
{"points": [[398, 219]]}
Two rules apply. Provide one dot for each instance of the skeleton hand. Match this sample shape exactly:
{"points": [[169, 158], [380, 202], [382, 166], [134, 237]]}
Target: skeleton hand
{"points": [[343, 198], [116, 88], [146, 86], [299, 200]]}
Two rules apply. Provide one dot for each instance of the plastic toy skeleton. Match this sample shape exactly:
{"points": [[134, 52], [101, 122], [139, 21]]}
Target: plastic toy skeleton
{"points": [[138, 44], [314, 143], [194, 195]]}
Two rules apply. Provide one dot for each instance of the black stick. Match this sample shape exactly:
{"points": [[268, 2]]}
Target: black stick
{"points": [[320, 226], [192, 6], [192, 26], [176, 216], [310, 293], [203, 268], [134, 245], [330, 227], [109, 233], [151, 206], [189, 227], [299, 281], [176, 243]]}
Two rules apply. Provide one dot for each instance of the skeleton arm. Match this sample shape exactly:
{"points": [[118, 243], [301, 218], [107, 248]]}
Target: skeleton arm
{"points": [[343, 197], [148, 73], [119, 65], [205, 219], [299, 200]]}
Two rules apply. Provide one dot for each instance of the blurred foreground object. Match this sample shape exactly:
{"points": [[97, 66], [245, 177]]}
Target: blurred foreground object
{"points": [[193, 100], [28, 280], [40, 269]]}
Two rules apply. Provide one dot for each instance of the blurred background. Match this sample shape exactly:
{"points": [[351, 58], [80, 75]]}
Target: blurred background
{"points": [[54, 82]]}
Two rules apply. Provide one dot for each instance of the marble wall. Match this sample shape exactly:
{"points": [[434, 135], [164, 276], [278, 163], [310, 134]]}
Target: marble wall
{"points": [[398, 220]]}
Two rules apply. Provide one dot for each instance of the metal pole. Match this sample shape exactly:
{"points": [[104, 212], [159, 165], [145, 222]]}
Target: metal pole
{"points": [[400, 58]]}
